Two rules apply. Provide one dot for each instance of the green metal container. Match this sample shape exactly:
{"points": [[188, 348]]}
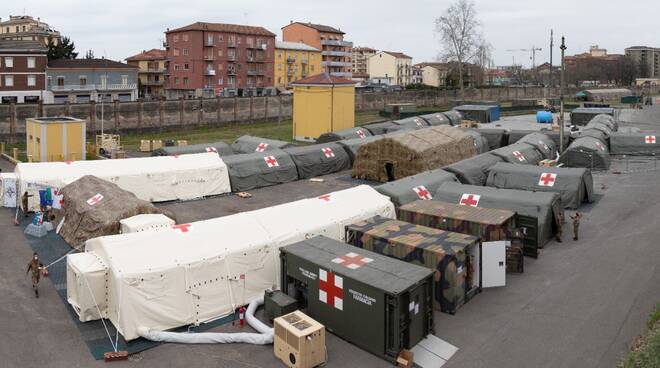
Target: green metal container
{"points": [[378, 303], [277, 304], [455, 258]]}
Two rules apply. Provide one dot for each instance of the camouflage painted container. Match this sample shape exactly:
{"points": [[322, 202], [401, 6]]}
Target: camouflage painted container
{"points": [[489, 224], [455, 258]]}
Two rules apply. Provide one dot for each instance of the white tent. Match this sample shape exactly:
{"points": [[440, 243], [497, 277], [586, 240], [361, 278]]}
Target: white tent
{"points": [[154, 179], [198, 272]]}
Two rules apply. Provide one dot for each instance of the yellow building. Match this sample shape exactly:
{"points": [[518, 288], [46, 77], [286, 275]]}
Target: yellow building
{"points": [[294, 61], [55, 139], [322, 103], [151, 73]]}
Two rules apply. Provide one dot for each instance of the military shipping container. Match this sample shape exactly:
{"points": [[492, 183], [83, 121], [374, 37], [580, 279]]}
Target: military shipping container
{"points": [[454, 258], [380, 304]]}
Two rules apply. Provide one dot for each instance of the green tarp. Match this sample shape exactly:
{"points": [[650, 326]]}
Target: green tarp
{"points": [[319, 159], [260, 169], [412, 188]]}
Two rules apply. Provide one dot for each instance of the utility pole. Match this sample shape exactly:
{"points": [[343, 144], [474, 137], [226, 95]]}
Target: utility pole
{"points": [[561, 98], [551, 68]]}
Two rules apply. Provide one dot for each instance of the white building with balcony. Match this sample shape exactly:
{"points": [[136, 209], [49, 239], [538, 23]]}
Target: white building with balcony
{"points": [[86, 80], [391, 68]]}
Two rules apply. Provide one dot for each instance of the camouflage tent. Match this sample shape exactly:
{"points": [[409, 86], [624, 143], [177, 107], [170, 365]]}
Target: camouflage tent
{"points": [[539, 213], [350, 133], [543, 144], [437, 118], [586, 152], [380, 127], [474, 170], [319, 159], [351, 146], [575, 185], [488, 224], [412, 188], [455, 117], [250, 144], [453, 256], [93, 207], [645, 144], [221, 148], [402, 154], [479, 141], [519, 153], [260, 169], [496, 137], [516, 135]]}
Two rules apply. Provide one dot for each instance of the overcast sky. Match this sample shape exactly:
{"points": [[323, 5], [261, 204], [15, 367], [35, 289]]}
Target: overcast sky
{"points": [[125, 27]]}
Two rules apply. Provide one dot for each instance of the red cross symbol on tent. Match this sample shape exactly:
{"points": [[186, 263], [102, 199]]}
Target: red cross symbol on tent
{"points": [[261, 147], [418, 122], [182, 228], [352, 260], [68, 162], [471, 200], [519, 156], [271, 161], [175, 156], [547, 179], [325, 198], [649, 139], [361, 134], [95, 199], [211, 149], [327, 151], [600, 146], [422, 193], [545, 146], [331, 289]]}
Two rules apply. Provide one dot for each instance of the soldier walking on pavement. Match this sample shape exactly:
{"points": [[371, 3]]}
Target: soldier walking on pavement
{"points": [[576, 224], [36, 267]]}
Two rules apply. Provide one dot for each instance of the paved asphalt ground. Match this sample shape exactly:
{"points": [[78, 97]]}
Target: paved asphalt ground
{"points": [[579, 305]]}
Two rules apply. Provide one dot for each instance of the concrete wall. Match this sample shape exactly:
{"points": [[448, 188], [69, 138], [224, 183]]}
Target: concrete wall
{"points": [[172, 114]]}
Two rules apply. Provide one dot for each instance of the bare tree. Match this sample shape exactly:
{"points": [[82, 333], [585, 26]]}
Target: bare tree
{"points": [[460, 35]]}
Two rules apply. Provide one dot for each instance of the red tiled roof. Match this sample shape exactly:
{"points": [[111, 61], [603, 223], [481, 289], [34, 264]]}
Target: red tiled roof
{"points": [[324, 78], [153, 54], [318, 27], [223, 27], [398, 55], [88, 64]]}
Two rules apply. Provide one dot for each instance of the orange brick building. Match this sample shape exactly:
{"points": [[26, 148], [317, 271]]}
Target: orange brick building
{"points": [[336, 53]]}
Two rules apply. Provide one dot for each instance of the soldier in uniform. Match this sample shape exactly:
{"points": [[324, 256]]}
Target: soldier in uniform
{"points": [[36, 267], [576, 224]]}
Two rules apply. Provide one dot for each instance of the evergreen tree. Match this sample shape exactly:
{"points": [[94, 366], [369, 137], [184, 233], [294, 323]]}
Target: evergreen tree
{"points": [[65, 49], [89, 54]]}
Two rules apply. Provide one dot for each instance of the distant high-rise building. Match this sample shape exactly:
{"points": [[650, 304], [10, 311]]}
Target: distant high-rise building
{"points": [[26, 28], [647, 60], [335, 51]]}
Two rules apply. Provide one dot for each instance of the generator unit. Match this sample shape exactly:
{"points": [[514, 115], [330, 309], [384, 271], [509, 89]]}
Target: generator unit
{"points": [[299, 340], [277, 304]]}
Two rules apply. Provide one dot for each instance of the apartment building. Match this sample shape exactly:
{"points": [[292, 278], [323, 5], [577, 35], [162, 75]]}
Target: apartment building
{"points": [[434, 74], [294, 61], [22, 71], [335, 51], [151, 72], [647, 60], [360, 58], [209, 59], [391, 68], [26, 28], [85, 80]]}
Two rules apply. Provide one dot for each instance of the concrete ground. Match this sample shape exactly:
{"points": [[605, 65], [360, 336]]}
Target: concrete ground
{"points": [[578, 305]]}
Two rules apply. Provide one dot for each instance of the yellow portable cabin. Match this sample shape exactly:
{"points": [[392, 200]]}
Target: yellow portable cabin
{"points": [[322, 103], [55, 139]]}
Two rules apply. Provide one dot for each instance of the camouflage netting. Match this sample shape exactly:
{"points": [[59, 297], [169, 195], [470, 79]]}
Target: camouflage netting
{"points": [[87, 215], [220, 148], [402, 154]]}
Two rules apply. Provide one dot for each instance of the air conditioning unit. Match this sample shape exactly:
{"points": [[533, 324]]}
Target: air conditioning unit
{"points": [[299, 341]]}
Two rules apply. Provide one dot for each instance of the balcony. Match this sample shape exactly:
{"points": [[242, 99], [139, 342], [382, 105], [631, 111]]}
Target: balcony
{"points": [[290, 60], [231, 57], [154, 70], [166, 45], [92, 87], [336, 43], [208, 43], [152, 83], [209, 57], [210, 72], [337, 63], [231, 43], [231, 72], [336, 53], [304, 61]]}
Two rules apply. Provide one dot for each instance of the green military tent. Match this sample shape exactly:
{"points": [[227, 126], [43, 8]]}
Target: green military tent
{"points": [[575, 185], [351, 146], [473, 170], [250, 144], [436, 118], [319, 159], [479, 141], [380, 127], [583, 115], [586, 152], [515, 135], [539, 213], [600, 126], [543, 144], [519, 153], [220, 148], [607, 120], [411, 123], [260, 169], [640, 144], [454, 117], [419, 186], [496, 137], [350, 133]]}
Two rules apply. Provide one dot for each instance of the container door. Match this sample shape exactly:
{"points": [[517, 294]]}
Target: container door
{"points": [[493, 263], [529, 229], [416, 318]]}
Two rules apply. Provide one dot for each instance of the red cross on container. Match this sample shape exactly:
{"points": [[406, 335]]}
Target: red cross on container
{"points": [[649, 139], [422, 193], [331, 289], [182, 228], [95, 199], [361, 134], [519, 156], [327, 151], [352, 260], [261, 147], [325, 198], [471, 200], [547, 180], [271, 161]]}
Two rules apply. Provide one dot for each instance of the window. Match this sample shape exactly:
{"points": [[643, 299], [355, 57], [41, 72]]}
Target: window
{"points": [[23, 28], [221, 38], [176, 38], [104, 81], [176, 52], [31, 62], [49, 81], [279, 54], [9, 62], [124, 80], [176, 66], [185, 66], [279, 66], [83, 80], [209, 39], [219, 52], [176, 80], [185, 81], [231, 80], [312, 67], [220, 81], [185, 52], [185, 37], [9, 80], [31, 80], [60, 81]]}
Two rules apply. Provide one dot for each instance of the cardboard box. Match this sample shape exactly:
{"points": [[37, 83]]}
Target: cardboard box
{"points": [[145, 145], [156, 144], [181, 143], [548, 163]]}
